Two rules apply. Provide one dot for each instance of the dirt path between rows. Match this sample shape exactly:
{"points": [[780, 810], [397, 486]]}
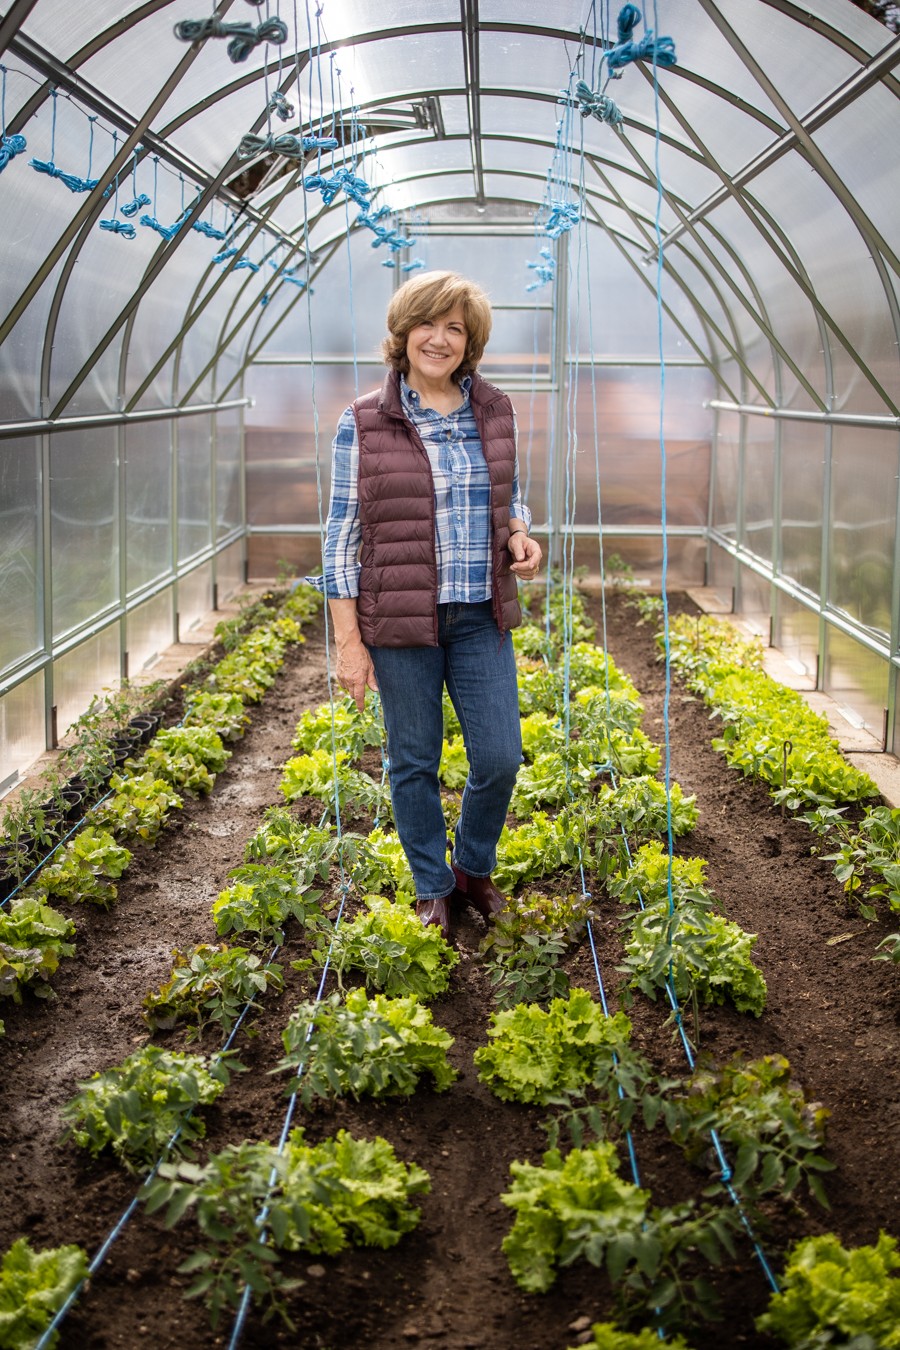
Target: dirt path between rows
{"points": [[832, 1011]]}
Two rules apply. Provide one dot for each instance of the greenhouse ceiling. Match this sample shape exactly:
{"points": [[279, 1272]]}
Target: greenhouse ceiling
{"points": [[774, 118]]}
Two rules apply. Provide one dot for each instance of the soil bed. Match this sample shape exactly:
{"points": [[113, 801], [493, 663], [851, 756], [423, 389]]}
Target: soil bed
{"points": [[831, 1011]]}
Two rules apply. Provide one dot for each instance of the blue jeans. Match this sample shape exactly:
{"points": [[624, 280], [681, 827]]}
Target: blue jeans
{"points": [[479, 671]]}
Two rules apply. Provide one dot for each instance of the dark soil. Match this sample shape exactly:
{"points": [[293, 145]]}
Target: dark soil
{"points": [[831, 1010]]}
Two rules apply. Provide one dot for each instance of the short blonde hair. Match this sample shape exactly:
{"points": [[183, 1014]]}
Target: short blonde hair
{"points": [[429, 295]]}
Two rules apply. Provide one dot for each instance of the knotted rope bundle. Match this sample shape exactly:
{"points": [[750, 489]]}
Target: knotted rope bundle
{"points": [[71, 180], [119, 227], [131, 208], [10, 146], [292, 147], [357, 189], [593, 104], [546, 270], [563, 216], [204, 227], [649, 48], [224, 255], [167, 231], [278, 104], [244, 36]]}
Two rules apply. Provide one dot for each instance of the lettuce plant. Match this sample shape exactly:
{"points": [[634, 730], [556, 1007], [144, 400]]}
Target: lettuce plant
{"points": [[138, 808], [317, 1198], [86, 869], [136, 1107], [364, 1047], [837, 1298], [34, 1285], [33, 937], [393, 951]]}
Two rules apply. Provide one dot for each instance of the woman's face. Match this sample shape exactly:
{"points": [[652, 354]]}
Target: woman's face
{"points": [[436, 347]]}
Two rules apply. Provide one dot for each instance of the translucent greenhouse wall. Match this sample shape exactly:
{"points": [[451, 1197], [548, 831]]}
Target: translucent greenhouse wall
{"points": [[605, 356]]}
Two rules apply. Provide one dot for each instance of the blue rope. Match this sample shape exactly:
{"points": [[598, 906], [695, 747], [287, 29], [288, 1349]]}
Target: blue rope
{"points": [[291, 147], [244, 36], [10, 146], [659, 50], [279, 105]]}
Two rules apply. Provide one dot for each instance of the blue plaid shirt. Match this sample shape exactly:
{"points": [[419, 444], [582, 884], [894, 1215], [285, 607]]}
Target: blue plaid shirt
{"points": [[462, 496]]}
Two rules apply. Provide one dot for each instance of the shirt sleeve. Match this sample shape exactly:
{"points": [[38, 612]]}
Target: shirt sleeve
{"points": [[343, 532], [517, 508]]}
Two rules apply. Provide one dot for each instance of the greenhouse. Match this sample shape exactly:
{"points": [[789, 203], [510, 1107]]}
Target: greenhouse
{"points": [[642, 1074]]}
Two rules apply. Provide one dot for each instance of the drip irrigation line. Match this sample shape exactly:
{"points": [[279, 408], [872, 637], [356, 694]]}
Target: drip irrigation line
{"points": [[48, 1337]]}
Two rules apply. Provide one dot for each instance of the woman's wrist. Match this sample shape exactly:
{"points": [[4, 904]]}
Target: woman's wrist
{"points": [[518, 530]]}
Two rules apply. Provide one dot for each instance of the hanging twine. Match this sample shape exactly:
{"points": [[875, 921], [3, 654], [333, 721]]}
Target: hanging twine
{"points": [[357, 189], [10, 146], [245, 263], [71, 180], [224, 255], [244, 36], [593, 104], [278, 104], [412, 266], [291, 147], [661, 50]]}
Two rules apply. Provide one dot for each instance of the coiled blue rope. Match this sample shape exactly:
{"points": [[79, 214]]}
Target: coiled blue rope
{"points": [[593, 104], [167, 231], [10, 146], [121, 227], [131, 208], [204, 227], [292, 147], [659, 50], [279, 105], [545, 269], [244, 36]]}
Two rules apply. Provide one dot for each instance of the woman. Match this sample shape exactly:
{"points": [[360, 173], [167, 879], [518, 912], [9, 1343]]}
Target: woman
{"points": [[426, 536]]}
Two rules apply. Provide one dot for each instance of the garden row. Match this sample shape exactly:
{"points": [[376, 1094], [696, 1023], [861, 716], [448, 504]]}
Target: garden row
{"points": [[590, 768]]}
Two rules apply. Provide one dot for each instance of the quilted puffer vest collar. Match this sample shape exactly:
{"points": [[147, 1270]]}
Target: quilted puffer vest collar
{"points": [[398, 584]]}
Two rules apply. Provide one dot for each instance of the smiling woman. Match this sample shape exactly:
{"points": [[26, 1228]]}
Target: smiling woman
{"points": [[427, 535]]}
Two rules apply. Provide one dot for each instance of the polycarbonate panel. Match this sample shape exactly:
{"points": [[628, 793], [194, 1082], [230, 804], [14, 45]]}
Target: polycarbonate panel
{"points": [[149, 630], [704, 299], [22, 729], [21, 631], [229, 571], [857, 679], [865, 465], [726, 475], [759, 469], [228, 472], [281, 447], [630, 457], [796, 633], [84, 672], [84, 525], [773, 44], [65, 29], [615, 311], [519, 346], [754, 600], [162, 308], [346, 308], [721, 574], [193, 440], [148, 502], [685, 564], [195, 597], [533, 419], [802, 465], [805, 218], [388, 70]]}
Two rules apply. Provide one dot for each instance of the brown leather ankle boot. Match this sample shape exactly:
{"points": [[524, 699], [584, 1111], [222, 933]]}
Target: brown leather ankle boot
{"points": [[480, 893]]}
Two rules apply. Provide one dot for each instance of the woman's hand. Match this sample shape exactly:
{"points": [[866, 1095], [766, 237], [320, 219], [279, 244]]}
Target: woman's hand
{"points": [[526, 554], [354, 669]]}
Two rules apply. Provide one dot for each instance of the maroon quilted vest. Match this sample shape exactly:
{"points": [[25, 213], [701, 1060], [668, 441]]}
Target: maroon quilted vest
{"points": [[398, 584]]}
